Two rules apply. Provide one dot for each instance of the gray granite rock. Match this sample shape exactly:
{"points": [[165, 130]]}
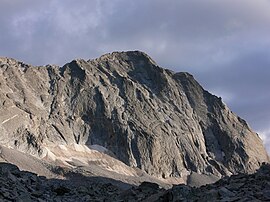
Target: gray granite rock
{"points": [[162, 122], [227, 189], [256, 188]]}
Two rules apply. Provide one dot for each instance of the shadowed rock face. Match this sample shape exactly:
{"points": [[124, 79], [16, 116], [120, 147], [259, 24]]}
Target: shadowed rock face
{"points": [[160, 121], [241, 187], [19, 185]]}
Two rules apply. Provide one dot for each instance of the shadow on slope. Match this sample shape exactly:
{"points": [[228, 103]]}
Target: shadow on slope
{"points": [[28, 186]]}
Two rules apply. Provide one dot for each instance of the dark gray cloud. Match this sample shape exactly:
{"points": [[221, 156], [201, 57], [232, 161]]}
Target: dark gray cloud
{"points": [[225, 44]]}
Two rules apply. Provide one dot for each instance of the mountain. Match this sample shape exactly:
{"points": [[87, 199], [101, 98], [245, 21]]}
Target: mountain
{"points": [[127, 108]]}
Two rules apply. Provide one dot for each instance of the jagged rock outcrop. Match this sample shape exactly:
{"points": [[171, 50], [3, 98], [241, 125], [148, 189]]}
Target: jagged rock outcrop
{"points": [[19, 185], [152, 118], [241, 187], [23, 186]]}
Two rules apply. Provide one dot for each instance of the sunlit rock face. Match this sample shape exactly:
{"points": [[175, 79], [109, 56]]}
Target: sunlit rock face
{"points": [[148, 117]]}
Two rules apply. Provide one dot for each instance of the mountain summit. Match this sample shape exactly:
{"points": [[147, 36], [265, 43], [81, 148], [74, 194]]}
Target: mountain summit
{"points": [[123, 103]]}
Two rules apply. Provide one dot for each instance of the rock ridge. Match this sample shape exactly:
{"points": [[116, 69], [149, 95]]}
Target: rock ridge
{"points": [[19, 185], [162, 122]]}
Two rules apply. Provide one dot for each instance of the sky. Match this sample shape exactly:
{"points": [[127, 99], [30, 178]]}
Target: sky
{"points": [[225, 44]]}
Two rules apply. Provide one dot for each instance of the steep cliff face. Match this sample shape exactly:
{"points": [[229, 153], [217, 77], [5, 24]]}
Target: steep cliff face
{"points": [[149, 117]]}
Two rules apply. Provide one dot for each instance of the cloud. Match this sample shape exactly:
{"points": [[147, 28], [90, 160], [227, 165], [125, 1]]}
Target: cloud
{"points": [[265, 137], [225, 44], [173, 31]]}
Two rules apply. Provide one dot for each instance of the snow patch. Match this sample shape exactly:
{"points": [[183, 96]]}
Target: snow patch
{"points": [[81, 155], [98, 148]]}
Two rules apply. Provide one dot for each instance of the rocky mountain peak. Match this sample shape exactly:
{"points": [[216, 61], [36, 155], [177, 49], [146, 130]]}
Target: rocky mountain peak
{"points": [[136, 57], [148, 117]]}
